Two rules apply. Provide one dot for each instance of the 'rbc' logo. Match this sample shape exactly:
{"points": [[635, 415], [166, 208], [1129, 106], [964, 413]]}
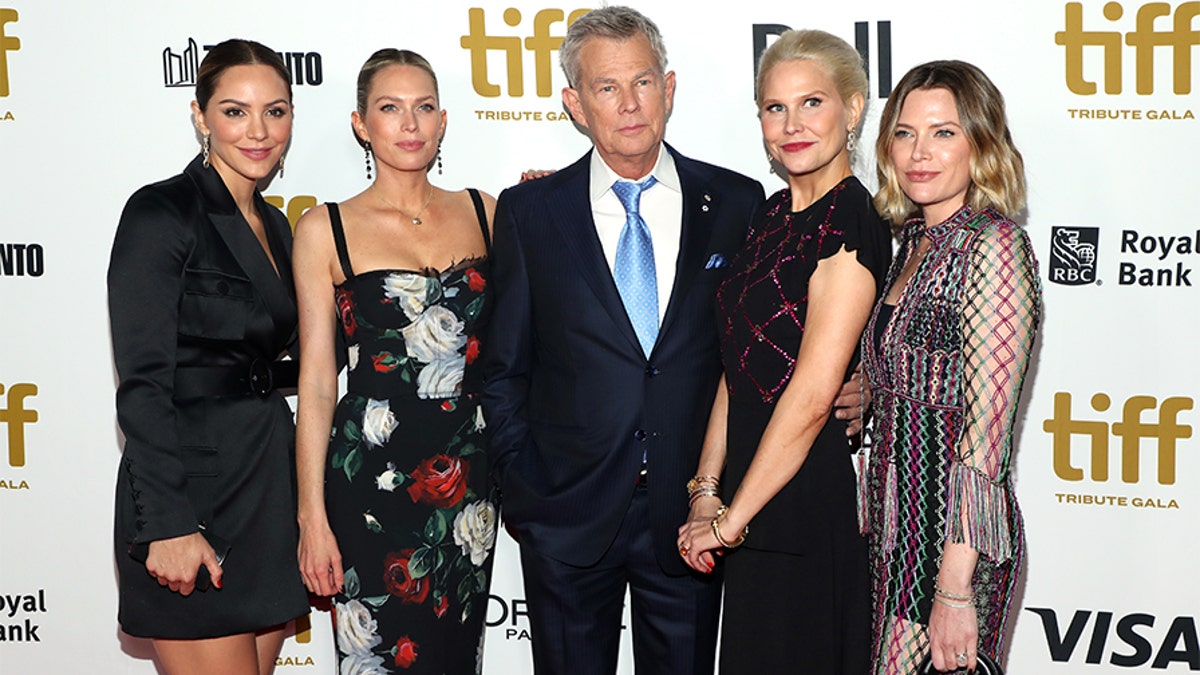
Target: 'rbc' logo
{"points": [[1131, 429], [541, 43], [1144, 38], [1073, 255]]}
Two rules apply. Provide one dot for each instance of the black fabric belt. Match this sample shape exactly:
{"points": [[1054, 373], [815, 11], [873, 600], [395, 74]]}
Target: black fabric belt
{"points": [[259, 377]]}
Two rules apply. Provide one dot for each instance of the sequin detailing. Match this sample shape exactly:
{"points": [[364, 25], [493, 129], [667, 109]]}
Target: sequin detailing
{"points": [[946, 379]]}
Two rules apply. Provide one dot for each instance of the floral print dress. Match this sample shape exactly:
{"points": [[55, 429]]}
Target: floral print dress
{"points": [[408, 491]]}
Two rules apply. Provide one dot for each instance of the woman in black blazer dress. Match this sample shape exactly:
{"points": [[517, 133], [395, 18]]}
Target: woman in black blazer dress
{"points": [[202, 307]]}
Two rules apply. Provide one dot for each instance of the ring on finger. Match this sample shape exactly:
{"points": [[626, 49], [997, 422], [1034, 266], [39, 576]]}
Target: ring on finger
{"points": [[683, 551], [961, 659]]}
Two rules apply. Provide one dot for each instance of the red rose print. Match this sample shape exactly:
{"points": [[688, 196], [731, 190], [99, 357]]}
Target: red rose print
{"points": [[385, 362], [448, 405], [475, 280], [399, 582], [472, 349], [442, 605], [406, 652], [440, 481], [345, 305]]}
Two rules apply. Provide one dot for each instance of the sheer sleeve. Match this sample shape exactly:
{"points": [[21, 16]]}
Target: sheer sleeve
{"points": [[1001, 311]]}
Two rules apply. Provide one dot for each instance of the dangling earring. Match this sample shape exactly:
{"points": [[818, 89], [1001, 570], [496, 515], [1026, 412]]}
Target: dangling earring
{"points": [[770, 163], [367, 152], [439, 157], [204, 149], [281, 157], [850, 140]]}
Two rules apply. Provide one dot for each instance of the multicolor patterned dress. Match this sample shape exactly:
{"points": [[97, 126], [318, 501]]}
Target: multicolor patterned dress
{"points": [[407, 485], [946, 374]]}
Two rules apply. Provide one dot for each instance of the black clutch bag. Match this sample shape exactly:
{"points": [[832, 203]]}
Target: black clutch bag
{"points": [[139, 552], [984, 665]]}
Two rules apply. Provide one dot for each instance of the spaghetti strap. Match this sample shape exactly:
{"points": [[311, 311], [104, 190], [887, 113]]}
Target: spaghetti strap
{"points": [[339, 238], [481, 213]]}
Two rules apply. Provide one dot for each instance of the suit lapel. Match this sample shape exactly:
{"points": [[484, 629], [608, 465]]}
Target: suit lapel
{"points": [[275, 290], [571, 206], [698, 209]]}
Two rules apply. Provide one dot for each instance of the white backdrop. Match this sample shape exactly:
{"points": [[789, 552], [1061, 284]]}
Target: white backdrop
{"points": [[1107, 468]]}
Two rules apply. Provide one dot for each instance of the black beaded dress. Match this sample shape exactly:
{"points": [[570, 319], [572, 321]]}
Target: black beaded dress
{"points": [[797, 596], [408, 492]]}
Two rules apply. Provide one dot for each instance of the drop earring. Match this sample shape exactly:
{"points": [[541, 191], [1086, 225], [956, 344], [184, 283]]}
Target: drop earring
{"points": [[439, 157], [205, 146], [367, 153], [281, 157], [851, 140]]}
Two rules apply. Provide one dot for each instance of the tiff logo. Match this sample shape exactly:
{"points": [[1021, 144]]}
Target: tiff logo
{"points": [[8, 43], [1131, 430], [16, 415], [1144, 38], [862, 43], [479, 43]]}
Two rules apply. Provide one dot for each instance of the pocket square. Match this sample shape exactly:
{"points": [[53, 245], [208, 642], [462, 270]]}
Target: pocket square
{"points": [[715, 261]]}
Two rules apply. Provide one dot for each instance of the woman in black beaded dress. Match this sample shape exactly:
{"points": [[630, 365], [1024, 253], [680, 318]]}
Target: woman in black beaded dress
{"points": [[791, 311]]}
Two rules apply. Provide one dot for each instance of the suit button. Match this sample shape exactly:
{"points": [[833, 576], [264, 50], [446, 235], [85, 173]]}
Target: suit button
{"points": [[223, 287], [640, 434], [651, 371]]}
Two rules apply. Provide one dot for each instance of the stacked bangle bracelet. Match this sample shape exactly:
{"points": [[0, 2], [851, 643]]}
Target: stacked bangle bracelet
{"points": [[954, 600], [703, 486]]}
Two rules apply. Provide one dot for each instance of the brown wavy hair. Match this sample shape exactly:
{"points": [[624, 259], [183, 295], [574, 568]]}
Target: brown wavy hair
{"points": [[997, 169]]}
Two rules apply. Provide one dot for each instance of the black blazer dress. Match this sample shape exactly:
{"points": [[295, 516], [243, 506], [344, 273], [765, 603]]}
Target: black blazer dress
{"points": [[199, 319]]}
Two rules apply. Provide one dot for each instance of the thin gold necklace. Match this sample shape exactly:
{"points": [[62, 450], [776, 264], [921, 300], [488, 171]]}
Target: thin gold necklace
{"points": [[416, 220]]}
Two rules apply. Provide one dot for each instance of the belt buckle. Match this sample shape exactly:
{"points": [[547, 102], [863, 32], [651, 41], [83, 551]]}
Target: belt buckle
{"points": [[261, 381]]}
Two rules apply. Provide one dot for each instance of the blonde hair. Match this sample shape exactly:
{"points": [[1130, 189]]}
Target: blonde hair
{"points": [[382, 59], [997, 169], [840, 60]]}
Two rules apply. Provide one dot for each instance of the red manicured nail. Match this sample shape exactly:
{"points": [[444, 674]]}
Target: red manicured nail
{"points": [[217, 583]]}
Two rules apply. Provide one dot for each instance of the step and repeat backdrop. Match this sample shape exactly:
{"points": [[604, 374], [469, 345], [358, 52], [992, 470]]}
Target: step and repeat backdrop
{"points": [[94, 102]]}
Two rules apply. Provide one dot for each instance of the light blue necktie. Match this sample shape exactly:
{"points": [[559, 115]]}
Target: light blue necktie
{"points": [[633, 268]]}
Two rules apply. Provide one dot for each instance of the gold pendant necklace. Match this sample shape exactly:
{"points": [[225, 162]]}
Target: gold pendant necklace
{"points": [[416, 220]]}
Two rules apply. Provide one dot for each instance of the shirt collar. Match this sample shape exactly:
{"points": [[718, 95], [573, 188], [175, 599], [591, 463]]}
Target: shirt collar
{"points": [[603, 177]]}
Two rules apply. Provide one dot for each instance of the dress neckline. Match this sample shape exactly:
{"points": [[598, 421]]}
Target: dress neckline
{"points": [[428, 273]]}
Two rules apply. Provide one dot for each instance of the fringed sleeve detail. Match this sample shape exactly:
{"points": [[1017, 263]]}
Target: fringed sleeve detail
{"points": [[977, 513]]}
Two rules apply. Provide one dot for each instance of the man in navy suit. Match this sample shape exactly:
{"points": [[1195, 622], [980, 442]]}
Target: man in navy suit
{"points": [[602, 362]]}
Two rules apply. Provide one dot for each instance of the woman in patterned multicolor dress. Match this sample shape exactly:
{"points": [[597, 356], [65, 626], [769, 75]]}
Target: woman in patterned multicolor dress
{"points": [[397, 517], [946, 353]]}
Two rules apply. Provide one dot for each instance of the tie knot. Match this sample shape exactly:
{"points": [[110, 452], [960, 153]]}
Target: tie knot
{"points": [[630, 193]]}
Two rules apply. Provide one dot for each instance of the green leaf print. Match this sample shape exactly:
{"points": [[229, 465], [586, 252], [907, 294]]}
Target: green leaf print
{"points": [[469, 449], [466, 586], [353, 586], [433, 291], [436, 528], [373, 523], [352, 432], [480, 581], [376, 601], [473, 309], [392, 334], [421, 563], [353, 463]]}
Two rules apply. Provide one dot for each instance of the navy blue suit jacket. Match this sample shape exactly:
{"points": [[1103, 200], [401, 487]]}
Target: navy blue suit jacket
{"points": [[570, 400]]}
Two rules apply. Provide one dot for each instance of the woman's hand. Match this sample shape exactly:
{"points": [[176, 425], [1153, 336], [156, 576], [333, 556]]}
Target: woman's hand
{"points": [[696, 542], [175, 562], [953, 631], [320, 560], [851, 402]]}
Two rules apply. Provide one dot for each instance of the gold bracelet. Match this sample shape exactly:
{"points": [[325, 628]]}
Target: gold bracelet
{"points": [[697, 481], [716, 528], [938, 590]]}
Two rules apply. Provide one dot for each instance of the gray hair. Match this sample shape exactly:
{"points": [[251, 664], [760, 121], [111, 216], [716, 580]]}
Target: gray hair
{"points": [[616, 23]]}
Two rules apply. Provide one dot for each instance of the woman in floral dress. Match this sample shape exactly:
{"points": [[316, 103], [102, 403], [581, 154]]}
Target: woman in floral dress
{"points": [[397, 518]]}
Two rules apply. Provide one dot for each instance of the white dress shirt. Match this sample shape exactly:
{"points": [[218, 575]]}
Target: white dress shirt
{"points": [[661, 207]]}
